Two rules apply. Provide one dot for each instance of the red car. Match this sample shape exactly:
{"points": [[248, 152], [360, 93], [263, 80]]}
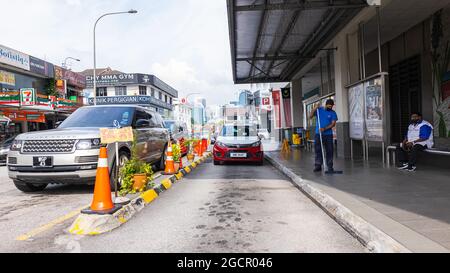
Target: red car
{"points": [[238, 143]]}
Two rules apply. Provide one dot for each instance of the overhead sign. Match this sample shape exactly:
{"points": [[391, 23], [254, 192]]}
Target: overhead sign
{"points": [[109, 136], [72, 78], [112, 80], [7, 78], [27, 96], [30, 116], [14, 58]]}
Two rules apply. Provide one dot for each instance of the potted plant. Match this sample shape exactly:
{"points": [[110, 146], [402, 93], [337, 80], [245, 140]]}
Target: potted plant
{"points": [[190, 154], [176, 151], [135, 174]]}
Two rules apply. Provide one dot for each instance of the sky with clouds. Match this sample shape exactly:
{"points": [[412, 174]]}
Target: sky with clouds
{"points": [[183, 42]]}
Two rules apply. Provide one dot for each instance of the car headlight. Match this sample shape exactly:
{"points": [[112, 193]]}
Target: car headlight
{"points": [[220, 144], [256, 144], [16, 145], [89, 144]]}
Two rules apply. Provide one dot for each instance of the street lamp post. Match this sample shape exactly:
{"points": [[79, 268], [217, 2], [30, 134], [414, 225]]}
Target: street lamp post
{"points": [[64, 64], [95, 59]]}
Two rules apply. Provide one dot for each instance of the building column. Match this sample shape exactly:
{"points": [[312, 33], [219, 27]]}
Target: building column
{"points": [[341, 80], [297, 103]]}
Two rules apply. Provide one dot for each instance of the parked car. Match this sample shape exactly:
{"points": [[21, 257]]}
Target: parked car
{"points": [[263, 134], [178, 132], [69, 154], [4, 149], [238, 143]]}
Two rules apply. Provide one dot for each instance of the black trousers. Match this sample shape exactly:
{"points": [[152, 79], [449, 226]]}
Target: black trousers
{"points": [[328, 145], [409, 157]]}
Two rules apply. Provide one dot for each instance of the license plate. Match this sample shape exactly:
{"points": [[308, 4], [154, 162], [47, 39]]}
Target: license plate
{"points": [[240, 155], [42, 161]]}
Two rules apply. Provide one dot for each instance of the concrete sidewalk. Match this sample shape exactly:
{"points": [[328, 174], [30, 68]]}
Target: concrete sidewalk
{"points": [[411, 208]]}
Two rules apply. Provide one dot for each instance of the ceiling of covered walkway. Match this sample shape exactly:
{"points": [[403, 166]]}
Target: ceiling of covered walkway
{"points": [[271, 40]]}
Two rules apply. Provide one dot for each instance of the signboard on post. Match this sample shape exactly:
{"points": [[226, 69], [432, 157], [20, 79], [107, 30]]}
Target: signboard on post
{"points": [[27, 97], [109, 136], [356, 109]]}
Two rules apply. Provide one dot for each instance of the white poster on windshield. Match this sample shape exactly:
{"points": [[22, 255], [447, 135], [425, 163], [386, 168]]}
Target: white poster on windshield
{"points": [[356, 108]]}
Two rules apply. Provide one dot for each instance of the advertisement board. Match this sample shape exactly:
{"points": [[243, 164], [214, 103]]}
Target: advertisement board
{"points": [[14, 58], [41, 67], [356, 109], [374, 110], [7, 78]]}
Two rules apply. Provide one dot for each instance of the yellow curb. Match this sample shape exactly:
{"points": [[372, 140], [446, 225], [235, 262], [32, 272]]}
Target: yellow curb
{"points": [[187, 169], [149, 196], [179, 176], [194, 165], [167, 183]]}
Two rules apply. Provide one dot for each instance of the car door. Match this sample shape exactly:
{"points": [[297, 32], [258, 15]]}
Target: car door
{"points": [[142, 125], [161, 133]]}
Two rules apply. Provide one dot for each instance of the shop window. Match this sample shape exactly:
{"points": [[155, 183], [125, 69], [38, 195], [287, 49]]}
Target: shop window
{"points": [[160, 95], [143, 90], [152, 91], [120, 90], [102, 92]]}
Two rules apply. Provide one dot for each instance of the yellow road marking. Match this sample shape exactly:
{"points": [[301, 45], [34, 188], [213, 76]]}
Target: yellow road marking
{"points": [[50, 225]]}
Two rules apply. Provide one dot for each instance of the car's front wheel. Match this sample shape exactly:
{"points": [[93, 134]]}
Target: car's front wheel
{"points": [[29, 187], [123, 158]]}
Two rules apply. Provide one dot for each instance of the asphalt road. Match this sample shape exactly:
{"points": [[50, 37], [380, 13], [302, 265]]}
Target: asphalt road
{"points": [[230, 208]]}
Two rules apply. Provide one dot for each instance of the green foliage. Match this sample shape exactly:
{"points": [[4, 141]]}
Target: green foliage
{"points": [[176, 150], [50, 88], [132, 167]]}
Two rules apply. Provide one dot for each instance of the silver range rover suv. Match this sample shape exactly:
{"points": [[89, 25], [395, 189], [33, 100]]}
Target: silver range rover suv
{"points": [[69, 154]]}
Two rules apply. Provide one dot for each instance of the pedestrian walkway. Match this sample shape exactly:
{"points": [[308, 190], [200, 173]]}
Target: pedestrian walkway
{"points": [[412, 208]]}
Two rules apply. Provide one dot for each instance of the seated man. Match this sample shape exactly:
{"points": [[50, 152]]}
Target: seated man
{"points": [[418, 138]]}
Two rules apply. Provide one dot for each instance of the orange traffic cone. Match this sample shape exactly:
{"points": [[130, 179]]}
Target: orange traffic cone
{"points": [[102, 201], [170, 166], [200, 148]]}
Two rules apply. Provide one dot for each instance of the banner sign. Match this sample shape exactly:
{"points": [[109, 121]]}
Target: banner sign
{"points": [[374, 110], [286, 93], [41, 67], [109, 136], [7, 78], [14, 58], [356, 108], [27, 96], [30, 116], [276, 102], [72, 78], [140, 100]]}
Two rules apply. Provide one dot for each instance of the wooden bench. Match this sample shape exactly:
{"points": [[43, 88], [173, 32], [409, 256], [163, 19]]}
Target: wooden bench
{"points": [[391, 148]]}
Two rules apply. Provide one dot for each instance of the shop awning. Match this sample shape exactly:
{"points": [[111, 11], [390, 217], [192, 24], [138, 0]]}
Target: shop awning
{"points": [[271, 40]]}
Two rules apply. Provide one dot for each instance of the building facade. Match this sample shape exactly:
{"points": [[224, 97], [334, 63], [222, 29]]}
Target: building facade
{"points": [[131, 88], [28, 101]]}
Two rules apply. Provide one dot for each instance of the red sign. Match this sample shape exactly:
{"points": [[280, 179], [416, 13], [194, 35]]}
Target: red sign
{"points": [[183, 101], [265, 101], [276, 96], [24, 116]]}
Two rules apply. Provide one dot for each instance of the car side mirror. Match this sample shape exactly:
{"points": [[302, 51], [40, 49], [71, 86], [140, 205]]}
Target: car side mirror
{"points": [[142, 123]]}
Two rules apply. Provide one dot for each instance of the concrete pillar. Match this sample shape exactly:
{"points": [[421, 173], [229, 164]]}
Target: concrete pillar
{"points": [[341, 77], [297, 103]]}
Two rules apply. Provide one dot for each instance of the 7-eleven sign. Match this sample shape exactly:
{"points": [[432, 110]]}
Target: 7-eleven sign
{"points": [[27, 96]]}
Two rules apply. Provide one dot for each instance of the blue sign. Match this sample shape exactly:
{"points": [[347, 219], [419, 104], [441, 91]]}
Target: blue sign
{"points": [[139, 100]]}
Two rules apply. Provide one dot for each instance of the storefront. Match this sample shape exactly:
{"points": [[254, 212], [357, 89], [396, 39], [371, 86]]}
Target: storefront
{"points": [[24, 81], [69, 84]]}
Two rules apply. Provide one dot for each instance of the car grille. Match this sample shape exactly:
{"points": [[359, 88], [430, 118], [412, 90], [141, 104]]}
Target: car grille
{"points": [[49, 146], [12, 160], [239, 146], [86, 159]]}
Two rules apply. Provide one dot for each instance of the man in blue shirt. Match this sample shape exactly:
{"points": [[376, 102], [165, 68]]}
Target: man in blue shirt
{"points": [[328, 119], [418, 138]]}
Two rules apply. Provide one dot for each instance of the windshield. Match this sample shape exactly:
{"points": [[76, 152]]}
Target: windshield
{"points": [[170, 125], [238, 131], [99, 117]]}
